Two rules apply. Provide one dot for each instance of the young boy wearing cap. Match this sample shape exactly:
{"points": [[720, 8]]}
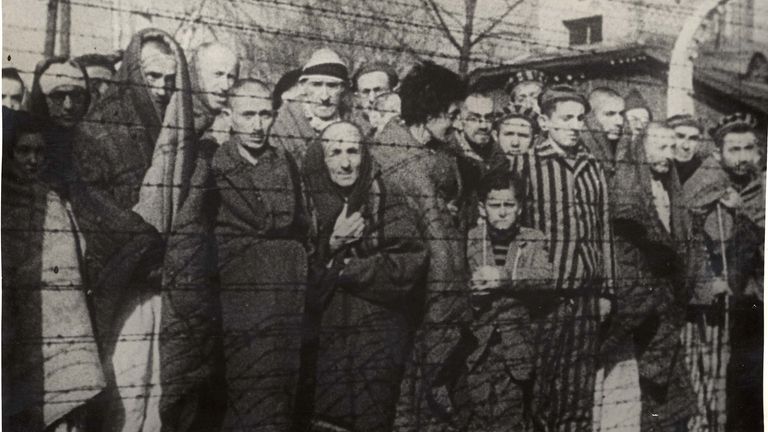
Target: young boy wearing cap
{"points": [[509, 265], [569, 203]]}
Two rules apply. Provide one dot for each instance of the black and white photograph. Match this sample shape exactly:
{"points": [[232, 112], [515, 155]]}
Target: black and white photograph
{"points": [[383, 215]]}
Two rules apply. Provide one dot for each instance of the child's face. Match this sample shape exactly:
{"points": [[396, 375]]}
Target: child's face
{"points": [[501, 209], [29, 155], [515, 136]]}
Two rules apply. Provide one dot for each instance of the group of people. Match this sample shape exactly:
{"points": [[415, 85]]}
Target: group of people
{"points": [[189, 249]]}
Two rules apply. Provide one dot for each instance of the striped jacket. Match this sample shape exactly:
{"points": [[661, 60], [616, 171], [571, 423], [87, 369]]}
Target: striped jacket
{"points": [[568, 202]]}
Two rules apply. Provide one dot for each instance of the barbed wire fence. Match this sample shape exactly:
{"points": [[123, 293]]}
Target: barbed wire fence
{"points": [[378, 33]]}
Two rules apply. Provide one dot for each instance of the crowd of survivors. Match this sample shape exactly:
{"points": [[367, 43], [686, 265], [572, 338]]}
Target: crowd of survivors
{"points": [[186, 248]]}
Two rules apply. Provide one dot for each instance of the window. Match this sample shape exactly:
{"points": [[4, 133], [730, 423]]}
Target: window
{"points": [[585, 31]]}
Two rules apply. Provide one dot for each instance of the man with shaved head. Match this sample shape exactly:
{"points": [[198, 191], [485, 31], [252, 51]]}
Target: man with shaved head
{"points": [[252, 316], [214, 68], [605, 135]]}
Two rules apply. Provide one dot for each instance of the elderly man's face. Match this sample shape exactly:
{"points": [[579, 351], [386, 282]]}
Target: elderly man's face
{"points": [[323, 94], [370, 86], [660, 149], [515, 136], [217, 67], [67, 105], [477, 119], [688, 143], [13, 93], [252, 116], [526, 95], [608, 111], [343, 154], [159, 70]]}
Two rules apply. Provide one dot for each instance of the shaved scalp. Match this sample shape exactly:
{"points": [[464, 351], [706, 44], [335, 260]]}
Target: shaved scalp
{"points": [[601, 94], [205, 48]]}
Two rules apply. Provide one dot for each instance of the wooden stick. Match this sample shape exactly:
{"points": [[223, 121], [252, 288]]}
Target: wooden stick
{"points": [[723, 258], [485, 243]]}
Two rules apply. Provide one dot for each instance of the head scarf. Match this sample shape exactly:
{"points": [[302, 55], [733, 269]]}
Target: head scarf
{"points": [[51, 73], [328, 198], [133, 87]]}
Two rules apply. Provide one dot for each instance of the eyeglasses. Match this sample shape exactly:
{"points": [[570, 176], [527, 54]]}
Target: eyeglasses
{"points": [[476, 118], [78, 96]]}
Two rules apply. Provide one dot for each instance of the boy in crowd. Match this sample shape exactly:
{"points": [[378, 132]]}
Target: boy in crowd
{"points": [[509, 263]]}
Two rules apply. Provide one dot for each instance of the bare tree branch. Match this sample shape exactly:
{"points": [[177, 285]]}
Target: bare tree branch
{"points": [[488, 31], [396, 35], [432, 5]]}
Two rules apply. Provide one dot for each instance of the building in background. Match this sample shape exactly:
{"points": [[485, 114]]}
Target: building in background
{"points": [[627, 44]]}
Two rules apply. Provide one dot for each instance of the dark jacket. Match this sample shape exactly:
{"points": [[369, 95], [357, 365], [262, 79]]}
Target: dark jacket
{"points": [[651, 293], [430, 181], [609, 156], [234, 293], [501, 365], [368, 289]]}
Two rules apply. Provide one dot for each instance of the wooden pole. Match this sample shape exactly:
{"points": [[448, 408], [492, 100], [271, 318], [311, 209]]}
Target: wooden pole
{"points": [[66, 26], [724, 259], [50, 28]]}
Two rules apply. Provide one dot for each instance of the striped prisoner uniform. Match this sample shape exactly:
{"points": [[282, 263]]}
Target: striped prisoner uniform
{"points": [[568, 201]]}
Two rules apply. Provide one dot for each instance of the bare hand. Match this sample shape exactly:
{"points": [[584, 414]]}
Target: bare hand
{"points": [[731, 198], [486, 278], [717, 286], [605, 308], [347, 229]]}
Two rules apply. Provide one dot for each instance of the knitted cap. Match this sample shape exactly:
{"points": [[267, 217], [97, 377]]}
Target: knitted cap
{"points": [[527, 75], [562, 93], [325, 62], [731, 122], [683, 120]]}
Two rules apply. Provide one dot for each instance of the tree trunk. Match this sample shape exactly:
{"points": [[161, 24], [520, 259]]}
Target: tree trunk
{"points": [[50, 28], [465, 53]]}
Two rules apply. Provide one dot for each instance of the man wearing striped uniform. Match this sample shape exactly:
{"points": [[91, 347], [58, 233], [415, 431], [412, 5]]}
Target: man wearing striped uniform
{"points": [[569, 202]]}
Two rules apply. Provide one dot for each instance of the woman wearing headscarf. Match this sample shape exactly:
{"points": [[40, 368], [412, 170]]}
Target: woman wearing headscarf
{"points": [[643, 344], [71, 229], [369, 264], [138, 147], [51, 365]]}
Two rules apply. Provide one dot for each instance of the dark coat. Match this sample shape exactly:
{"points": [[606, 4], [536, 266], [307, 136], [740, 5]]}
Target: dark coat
{"points": [[119, 251], [260, 228], [474, 167], [500, 367], [651, 293], [292, 130], [429, 184], [368, 316], [609, 156]]}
